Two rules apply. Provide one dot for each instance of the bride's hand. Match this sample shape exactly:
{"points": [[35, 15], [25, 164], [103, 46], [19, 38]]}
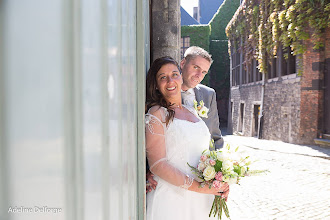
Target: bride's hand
{"points": [[151, 183], [222, 191], [225, 194]]}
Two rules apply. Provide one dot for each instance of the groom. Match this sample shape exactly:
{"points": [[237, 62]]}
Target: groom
{"points": [[194, 66]]}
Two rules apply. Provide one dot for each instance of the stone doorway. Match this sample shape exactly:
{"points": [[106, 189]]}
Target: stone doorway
{"points": [[241, 118], [255, 124]]}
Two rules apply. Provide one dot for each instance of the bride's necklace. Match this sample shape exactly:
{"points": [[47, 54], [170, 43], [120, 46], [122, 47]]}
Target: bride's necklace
{"points": [[177, 106]]}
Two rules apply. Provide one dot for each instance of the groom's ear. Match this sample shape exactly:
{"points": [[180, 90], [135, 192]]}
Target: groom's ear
{"points": [[183, 61]]}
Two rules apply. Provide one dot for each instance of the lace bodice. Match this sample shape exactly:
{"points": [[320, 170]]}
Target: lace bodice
{"points": [[170, 147]]}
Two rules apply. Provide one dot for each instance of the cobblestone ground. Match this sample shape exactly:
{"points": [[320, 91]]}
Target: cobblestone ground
{"points": [[297, 185]]}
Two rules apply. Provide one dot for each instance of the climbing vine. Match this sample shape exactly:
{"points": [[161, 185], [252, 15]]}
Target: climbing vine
{"points": [[261, 27]]}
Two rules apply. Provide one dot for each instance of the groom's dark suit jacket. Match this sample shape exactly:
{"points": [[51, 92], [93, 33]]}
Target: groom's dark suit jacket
{"points": [[208, 96]]}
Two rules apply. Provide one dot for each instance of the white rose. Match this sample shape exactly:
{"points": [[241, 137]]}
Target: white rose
{"points": [[222, 156], [230, 180], [209, 173], [227, 165], [203, 112]]}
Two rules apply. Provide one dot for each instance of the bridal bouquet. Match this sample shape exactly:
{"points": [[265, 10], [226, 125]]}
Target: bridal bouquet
{"points": [[225, 165]]}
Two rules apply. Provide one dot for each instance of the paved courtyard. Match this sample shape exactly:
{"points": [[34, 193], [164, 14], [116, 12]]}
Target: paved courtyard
{"points": [[297, 185]]}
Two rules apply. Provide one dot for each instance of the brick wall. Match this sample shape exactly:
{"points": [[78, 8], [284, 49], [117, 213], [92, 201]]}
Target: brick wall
{"points": [[312, 99], [326, 124]]}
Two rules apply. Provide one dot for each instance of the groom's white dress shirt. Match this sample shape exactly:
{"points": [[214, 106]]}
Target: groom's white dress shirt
{"points": [[188, 97]]}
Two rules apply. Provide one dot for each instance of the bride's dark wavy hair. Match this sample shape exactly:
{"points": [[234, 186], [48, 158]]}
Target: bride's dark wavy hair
{"points": [[153, 96]]}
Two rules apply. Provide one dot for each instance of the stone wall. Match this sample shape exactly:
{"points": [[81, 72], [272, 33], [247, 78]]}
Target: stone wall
{"points": [[281, 116], [248, 94]]}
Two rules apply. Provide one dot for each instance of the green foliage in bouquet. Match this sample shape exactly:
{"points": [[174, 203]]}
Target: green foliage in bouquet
{"points": [[225, 165]]}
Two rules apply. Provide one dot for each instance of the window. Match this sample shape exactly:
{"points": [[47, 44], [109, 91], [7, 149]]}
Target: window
{"points": [[243, 66], [289, 66], [256, 73], [250, 73], [242, 71], [272, 70], [185, 44], [236, 65], [287, 62], [283, 64]]}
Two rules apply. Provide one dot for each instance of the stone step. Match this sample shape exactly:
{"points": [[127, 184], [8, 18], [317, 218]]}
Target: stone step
{"points": [[326, 136], [323, 142]]}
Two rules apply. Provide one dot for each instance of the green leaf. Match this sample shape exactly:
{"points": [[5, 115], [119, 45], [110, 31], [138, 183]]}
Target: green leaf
{"points": [[212, 144], [237, 169], [218, 166]]}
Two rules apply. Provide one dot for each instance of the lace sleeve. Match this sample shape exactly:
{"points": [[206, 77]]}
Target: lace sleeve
{"points": [[156, 150], [152, 124]]}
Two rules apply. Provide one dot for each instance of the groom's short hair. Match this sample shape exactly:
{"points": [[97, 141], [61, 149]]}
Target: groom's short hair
{"points": [[195, 51]]}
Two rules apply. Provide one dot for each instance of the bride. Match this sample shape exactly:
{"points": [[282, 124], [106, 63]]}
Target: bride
{"points": [[175, 135]]}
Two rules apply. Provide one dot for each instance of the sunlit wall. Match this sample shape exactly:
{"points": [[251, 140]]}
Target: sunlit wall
{"points": [[72, 105]]}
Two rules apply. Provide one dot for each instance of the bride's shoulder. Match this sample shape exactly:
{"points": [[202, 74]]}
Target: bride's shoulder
{"points": [[157, 111]]}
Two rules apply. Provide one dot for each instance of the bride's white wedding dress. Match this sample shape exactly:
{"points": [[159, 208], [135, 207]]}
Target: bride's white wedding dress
{"points": [[172, 147]]}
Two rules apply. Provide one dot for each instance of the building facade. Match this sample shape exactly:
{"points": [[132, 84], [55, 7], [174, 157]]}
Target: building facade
{"points": [[278, 92]]}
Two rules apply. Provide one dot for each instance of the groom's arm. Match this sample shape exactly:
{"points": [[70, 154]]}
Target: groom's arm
{"points": [[213, 122]]}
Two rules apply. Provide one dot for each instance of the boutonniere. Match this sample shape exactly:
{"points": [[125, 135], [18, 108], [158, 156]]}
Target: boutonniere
{"points": [[201, 109]]}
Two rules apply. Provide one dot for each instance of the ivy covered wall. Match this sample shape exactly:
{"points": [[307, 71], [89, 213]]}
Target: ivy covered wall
{"points": [[199, 36], [265, 25]]}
